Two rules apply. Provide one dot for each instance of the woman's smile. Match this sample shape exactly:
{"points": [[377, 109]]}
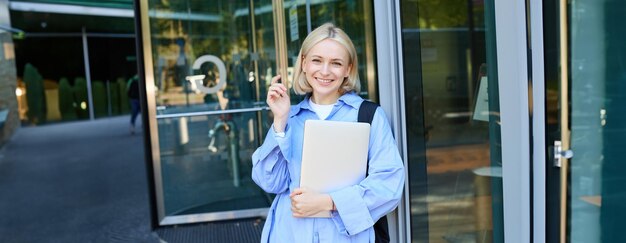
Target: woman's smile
{"points": [[324, 81]]}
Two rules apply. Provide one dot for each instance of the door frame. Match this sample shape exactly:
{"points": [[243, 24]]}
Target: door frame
{"points": [[388, 35], [515, 113], [538, 122]]}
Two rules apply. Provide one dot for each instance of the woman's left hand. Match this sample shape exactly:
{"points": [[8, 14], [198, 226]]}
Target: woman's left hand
{"points": [[306, 202]]}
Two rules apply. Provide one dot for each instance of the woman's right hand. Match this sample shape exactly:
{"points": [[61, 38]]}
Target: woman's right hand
{"points": [[279, 102]]}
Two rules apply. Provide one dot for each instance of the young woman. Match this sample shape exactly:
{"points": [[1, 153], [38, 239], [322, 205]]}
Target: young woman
{"points": [[326, 72]]}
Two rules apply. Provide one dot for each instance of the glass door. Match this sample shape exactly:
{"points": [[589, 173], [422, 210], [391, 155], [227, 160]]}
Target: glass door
{"points": [[207, 66], [466, 115], [205, 80], [585, 86], [453, 121]]}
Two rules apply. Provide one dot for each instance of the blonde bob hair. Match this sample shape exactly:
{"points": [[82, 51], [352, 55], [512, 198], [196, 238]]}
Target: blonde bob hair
{"points": [[327, 31]]}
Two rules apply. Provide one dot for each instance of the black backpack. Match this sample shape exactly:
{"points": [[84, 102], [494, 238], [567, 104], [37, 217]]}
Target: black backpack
{"points": [[366, 114]]}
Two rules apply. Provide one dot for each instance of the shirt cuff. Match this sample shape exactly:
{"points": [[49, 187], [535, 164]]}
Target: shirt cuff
{"points": [[278, 134], [282, 139], [352, 212]]}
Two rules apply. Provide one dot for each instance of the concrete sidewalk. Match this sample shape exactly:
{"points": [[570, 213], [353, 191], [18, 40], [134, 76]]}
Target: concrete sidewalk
{"points": [[84, 182], [75, 182]]}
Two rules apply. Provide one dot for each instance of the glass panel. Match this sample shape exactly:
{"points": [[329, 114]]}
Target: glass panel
{"points": [[205, 160], [61, 94], [264, 45], [184, 31], [206, 166], [236, 54], [452, 108], [63, 84], [112, 62], [597, 122], [53, 91], [552, 80]]}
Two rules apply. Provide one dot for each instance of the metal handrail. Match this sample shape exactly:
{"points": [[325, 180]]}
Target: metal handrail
{"points": [[209, 113]]}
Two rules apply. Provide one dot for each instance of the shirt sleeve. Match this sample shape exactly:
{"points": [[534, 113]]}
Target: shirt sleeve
{"points": [[360, 206], [269, 163]]}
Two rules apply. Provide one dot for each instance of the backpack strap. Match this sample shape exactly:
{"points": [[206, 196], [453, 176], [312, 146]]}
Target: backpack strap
{"points": [[366, 115], [367, 111]]}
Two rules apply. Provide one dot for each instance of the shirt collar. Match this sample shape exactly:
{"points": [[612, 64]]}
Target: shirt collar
{"points": [[350, 98]]}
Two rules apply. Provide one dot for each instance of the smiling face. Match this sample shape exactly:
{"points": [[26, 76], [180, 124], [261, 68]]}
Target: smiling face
{"points": [[326, 66]]}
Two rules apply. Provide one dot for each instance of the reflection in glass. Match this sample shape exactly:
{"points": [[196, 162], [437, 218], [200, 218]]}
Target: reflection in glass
{"points": [[189, 30], [597, 122], [205, 161], [212, 62], [58, 91], [452, 112]]}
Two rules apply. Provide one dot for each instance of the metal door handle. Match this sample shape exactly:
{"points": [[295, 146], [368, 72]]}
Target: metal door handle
{"points": [[560, 154]]}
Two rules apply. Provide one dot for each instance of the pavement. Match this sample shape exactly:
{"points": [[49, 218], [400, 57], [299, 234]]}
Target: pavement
{"points": [[85, 181]]}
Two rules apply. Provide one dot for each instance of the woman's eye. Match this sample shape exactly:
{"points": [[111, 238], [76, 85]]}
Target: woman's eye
{"points": [[316, 60], [337, 64]]}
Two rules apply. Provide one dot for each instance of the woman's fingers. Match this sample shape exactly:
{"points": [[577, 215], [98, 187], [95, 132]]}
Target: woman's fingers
{"points": [[271, 94], [275, 90], [275, 79], [279, 103], [294, 208], [276, 84], [278, 88], [296, 192], [296, 202], [294, 199]]}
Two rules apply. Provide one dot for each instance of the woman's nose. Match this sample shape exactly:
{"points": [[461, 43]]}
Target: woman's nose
{"points": [[324, 69]]}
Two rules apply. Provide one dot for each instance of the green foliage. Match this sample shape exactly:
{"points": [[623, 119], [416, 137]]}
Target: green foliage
{"points": [[66, 100], [437, 14], [124, 103], [115, 98], [99, 99], [35, 95], [80, 98]]}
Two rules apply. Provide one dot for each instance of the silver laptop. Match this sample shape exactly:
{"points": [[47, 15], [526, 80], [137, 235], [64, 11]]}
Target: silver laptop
{"points": [[334, 155]]}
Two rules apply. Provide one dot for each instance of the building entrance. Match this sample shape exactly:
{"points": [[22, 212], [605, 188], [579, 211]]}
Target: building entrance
{"points": [[207, 66]]}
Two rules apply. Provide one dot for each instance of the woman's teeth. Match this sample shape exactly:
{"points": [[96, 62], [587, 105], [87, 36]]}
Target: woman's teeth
{"points": [[325, 80]]}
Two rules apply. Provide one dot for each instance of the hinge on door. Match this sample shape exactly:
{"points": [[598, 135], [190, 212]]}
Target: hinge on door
{"points": [[559, 154]]}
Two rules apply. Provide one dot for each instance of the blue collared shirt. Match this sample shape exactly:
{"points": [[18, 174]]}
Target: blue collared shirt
{"points": [[276, 169]]}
